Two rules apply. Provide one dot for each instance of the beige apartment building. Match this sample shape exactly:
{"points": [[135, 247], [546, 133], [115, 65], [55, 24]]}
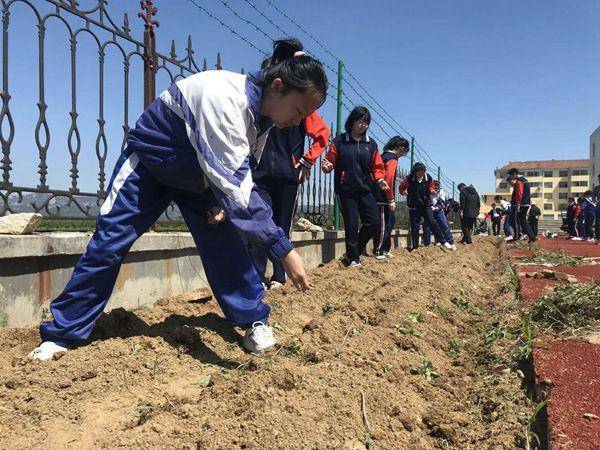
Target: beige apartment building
{"points": [[552, 183], [594, 156]]}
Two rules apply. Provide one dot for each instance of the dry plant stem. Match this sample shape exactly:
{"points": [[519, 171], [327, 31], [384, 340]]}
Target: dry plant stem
{"points": [[364, 412]]}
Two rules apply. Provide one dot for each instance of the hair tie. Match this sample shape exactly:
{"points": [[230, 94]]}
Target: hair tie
{"points": [[299, 53]]}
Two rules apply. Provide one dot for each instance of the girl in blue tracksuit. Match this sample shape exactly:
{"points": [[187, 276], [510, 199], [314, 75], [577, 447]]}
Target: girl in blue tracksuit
{"points": [[505, 211], [587, 217], [196, 145], [438, 205], [359, 172]]}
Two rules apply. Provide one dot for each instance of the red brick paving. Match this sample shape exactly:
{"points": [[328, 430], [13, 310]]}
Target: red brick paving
{"points": [[532, 288], [572, 366], [574, 371], [574, 248]]}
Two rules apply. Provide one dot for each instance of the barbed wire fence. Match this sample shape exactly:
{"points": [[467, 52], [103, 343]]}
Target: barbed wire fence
{"points": [[313, 195]]}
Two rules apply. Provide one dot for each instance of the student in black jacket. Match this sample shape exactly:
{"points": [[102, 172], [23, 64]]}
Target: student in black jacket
{"points": [[496, 217], [282, 168], [534, 216], [520, 204], [418, 186], [469, 210]]}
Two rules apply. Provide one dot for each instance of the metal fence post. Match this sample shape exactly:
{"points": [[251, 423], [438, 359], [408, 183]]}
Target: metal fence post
{"points": [[336, 207], [150, 57], [412, 153]]}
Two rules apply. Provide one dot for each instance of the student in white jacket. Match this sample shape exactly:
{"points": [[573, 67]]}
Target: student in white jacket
{"points": [[196, 145]]}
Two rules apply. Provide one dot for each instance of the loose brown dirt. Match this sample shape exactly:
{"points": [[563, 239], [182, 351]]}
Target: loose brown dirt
{"points": [[175, 376]]}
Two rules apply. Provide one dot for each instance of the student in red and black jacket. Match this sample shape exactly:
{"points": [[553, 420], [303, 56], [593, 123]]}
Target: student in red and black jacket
{"points": [[520, 203], [358, 173], [418, 187], [395, 148], [282, 167]]}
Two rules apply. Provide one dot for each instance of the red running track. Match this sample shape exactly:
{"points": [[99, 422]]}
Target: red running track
{"points": [[573, 367], [532, 288]]}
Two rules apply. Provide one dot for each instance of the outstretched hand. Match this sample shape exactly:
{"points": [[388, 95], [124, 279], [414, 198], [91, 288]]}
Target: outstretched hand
{"points": [[294, 267]]}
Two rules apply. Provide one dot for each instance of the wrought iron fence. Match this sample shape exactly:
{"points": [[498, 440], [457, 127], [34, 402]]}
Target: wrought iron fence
{"points": [[316, 196], [96, 22]]}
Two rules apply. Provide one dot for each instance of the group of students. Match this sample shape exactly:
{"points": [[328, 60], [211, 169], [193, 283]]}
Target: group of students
{"points": [[583, 218], [520, 215], [228, 149]]}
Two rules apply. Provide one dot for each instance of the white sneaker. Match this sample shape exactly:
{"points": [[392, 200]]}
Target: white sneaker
{"points": [[509, 238], [576, 239], [354, 264], [380, 257], [590, 240], [275, 285], [448, 246], [453, 246], [389, 255], [259, 338], [437, 244], [522, 238], [46, 350]]}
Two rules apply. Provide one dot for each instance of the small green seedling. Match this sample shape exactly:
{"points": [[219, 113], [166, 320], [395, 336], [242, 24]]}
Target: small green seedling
{"points": [[441, 310], [328, 308], [149, 365], [454, 347], [416, 317], [426, 369], [464, 305], [498, 332], [408, 330], [294, 347]]}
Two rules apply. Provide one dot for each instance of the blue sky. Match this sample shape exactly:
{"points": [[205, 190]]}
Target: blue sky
{"points": [[477, 82]]}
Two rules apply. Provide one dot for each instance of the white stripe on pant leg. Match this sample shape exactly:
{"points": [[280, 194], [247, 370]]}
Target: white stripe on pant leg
{"points": [[294, 210], [381, 228], [126, 169]]}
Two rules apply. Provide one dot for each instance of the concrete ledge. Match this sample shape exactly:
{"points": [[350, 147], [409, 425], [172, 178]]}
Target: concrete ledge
{"points": [[35, 268], [74, 243]]}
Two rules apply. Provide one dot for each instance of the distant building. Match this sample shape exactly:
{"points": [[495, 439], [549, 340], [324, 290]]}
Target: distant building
{"points": [[594, 157], [552, 182]]}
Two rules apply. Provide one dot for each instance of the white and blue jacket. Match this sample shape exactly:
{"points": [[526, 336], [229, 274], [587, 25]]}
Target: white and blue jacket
{"points": [[206, 131], [505, 207]]}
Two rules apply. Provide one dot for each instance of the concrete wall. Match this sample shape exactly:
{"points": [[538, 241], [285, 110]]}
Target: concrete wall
{"points": [[35, 268]]}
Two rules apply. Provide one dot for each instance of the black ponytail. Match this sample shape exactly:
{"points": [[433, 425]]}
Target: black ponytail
{"points": [[395, 143], [299, 73]]}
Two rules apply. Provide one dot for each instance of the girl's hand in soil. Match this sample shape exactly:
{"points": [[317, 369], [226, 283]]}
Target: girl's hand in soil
{"points": [[294, 267], [216, 215]]}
